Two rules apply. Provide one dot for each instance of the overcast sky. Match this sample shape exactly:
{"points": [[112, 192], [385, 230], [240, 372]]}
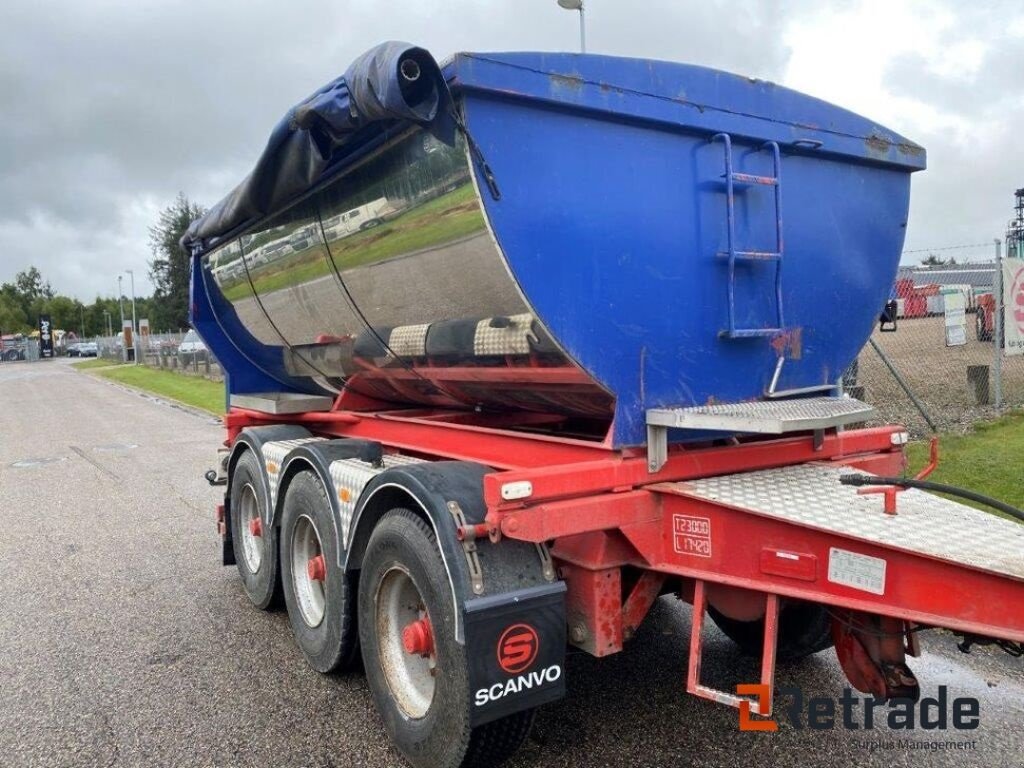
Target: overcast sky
{"points": [[108, 109]]}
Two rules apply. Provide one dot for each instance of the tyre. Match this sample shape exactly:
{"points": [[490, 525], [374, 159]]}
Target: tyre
{"points": [[804, 629], [416, 670], [317, 591], [255, 544]]}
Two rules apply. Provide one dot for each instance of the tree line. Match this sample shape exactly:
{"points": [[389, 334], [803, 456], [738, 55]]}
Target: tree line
{"points": [[30, 294]]}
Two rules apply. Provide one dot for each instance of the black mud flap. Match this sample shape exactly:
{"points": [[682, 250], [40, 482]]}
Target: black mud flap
{"points": [[515, 647], [226, 540]]}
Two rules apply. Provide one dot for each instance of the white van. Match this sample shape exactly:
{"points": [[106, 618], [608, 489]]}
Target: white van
{"points": [[364, 217]]}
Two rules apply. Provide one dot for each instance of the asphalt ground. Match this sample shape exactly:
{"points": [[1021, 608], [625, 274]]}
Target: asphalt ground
{"points": [[123, 642]]}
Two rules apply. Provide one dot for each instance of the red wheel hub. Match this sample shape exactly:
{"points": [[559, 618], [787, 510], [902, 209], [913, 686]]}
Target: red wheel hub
{"points": [[316, 568], [418, 638], [256, 527]]}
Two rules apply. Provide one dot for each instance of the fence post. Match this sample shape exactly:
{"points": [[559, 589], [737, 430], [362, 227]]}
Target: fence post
{"points": [[903, 385], [997, 330]]}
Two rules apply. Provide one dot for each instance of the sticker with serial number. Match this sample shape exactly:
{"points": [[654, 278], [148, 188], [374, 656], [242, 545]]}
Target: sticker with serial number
{"points": [[691, 535], [857, 571]]}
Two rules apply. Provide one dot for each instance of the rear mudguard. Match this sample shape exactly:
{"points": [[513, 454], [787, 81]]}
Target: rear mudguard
{"points": [[510, 607], [252, 439]]}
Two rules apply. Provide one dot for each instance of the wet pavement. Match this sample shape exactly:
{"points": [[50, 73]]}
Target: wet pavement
{"points": [[123, 642]]}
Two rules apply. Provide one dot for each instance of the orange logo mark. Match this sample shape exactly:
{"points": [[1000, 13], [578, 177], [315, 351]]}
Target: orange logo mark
{"points": [[763, 695]]}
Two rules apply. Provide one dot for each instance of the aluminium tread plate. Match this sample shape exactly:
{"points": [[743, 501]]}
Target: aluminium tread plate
{"points": [[351, 476], [282, 402], [774, 417], [811, 495]]}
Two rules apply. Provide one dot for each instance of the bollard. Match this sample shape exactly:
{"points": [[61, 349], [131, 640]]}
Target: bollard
{"points": [[856, 391], [978, 383]]}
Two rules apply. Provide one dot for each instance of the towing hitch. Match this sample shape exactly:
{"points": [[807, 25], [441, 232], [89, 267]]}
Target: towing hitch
{"points": [[214, 479]]}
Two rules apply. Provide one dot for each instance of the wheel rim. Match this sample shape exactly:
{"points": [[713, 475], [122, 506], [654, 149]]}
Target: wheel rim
{"points": [[249, 517], [410, 676], [307, 583]]}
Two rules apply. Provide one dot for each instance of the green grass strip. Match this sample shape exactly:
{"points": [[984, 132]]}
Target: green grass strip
{"points": [[989, 460], [94, 362], [190, 390]]}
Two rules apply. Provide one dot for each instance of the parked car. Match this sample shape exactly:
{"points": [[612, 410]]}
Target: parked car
{"points": [[74, 349], [192, 349], [87, 349]]}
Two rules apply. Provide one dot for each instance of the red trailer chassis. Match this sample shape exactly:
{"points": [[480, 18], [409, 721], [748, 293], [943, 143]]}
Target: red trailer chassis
{"points": [[619, 532]]}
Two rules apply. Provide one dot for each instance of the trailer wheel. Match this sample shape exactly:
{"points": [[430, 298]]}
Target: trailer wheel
{"points": [[254, 543], [416, 669], [804, 629], [317, 591]]}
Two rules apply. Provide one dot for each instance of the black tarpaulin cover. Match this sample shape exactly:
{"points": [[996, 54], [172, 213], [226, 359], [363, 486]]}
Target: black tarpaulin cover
{"points": [[392, 81]]}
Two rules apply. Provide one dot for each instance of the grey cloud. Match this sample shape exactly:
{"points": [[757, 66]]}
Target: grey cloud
{"points": [[109, 107], [966, 195]]}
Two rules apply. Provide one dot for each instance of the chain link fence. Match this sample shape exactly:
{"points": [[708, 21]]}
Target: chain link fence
{"points": [[182, 352], [16, 348], [935, 368]]}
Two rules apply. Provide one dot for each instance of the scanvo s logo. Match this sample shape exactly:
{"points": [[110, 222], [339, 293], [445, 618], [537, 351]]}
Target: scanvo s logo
{"points": [[517, 650]]}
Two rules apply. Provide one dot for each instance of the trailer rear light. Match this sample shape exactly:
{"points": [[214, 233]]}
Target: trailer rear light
{"points": [[520, 489], [899, 438]]}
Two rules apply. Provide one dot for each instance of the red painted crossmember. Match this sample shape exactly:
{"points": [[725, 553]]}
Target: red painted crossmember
{"points": [[418, 638], [316, 568], [256, 527]]}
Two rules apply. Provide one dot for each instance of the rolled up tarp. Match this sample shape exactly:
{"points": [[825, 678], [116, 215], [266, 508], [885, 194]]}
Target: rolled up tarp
{"points": [[393, 81]]}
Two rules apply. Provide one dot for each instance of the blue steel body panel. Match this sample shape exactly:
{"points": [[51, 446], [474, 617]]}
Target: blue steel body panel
{"points": [[612, 219], [613, 212]]}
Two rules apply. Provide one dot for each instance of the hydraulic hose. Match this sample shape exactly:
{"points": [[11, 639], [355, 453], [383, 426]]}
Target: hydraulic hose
{"points": [[926, 485]]}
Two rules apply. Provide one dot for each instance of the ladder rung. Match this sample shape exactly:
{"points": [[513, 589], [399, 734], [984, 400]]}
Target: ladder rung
{"points": [[750, 178], [751, 333], [753, 255]]}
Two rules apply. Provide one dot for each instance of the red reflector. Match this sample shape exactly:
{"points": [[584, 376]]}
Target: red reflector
{"points": [[794, 565]]}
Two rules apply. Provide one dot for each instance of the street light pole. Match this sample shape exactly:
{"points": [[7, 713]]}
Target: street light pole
{"points": [[135, 327], [110, 331], [577, 5], [120, 306]]}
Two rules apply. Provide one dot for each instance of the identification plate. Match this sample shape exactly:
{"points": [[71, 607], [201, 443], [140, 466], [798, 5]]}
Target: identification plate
{"points": [[857, 571]]}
